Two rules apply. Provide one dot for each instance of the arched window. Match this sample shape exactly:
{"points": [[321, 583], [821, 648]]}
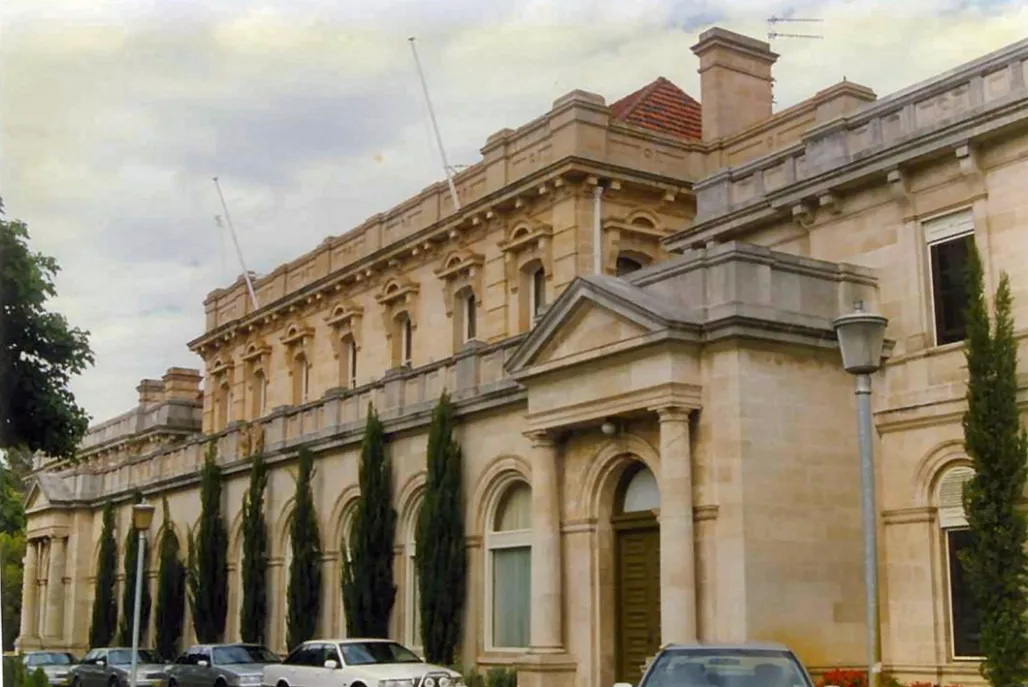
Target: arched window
{"points": [[348, 364], [224, 401], [640, 491], [509, 573], [406, 339], [301, 379], [346, 527], [964, 622], [626, 265], [412, 629], [470, 317], [538, 293]]}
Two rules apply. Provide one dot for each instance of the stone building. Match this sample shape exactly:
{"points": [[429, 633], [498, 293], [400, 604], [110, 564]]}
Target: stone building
{"points": [[632, 309]]}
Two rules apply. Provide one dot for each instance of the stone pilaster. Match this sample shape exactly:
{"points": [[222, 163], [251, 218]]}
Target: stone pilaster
{"points": [[29, 635], [54, 628], [677, 539], [547, 600]]}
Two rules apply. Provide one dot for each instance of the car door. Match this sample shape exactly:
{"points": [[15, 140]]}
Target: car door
{"points": [[203, 672], [87, 668], [308, 666], [180, 672]]}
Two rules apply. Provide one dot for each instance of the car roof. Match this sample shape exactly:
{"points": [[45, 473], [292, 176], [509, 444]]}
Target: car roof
{"points": [[350, 640], [765, 646]]}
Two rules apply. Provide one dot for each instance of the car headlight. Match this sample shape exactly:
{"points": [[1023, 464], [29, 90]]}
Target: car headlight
{"points": [[406, 682], [249, 679], [153, 676]]}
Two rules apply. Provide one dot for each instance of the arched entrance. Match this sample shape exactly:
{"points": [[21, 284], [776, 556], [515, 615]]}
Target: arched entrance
{"points": [[637, 571]]}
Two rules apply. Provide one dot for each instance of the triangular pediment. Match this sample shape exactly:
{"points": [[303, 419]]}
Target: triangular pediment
{"points": [[36, 498], [591, 317]]}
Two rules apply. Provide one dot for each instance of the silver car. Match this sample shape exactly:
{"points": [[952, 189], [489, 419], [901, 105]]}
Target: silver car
{"points": [[221, 665], [748, 664], [56, 664], [110, 667]]}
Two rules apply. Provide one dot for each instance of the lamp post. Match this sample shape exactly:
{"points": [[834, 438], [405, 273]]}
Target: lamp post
{"points": [[142, 517], [861, 339]]}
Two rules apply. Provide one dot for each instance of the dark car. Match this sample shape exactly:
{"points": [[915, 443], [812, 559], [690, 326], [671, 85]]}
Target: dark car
{"points": [[725, 665], [221, 665]]}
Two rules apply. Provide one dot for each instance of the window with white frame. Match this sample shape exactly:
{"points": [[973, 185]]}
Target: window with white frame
{"points": [[510, 569], [537, 294], [351, 361], [301, 379], [964, 622], [950, 239], [412, 631], [406, 339]]}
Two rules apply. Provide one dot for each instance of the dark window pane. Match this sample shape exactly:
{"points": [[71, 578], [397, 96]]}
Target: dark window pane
{"points": [[948, 288], [626, 265], [963, 607]]}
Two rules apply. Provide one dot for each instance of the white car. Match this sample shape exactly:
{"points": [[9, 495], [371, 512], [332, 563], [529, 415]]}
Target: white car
{"points": [[357, 663]]}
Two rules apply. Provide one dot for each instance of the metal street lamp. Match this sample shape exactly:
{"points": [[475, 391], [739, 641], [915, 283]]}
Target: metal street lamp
{"points": [[861, 339], [142, 518]]}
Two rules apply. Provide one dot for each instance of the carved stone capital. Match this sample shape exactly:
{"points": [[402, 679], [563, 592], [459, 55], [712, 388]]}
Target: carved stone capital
{"points": [[672, 413]]}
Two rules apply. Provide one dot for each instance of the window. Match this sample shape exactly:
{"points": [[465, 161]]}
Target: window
{"points": [[287, 563], [412, 631], [406, 339], [470, 317], [965, 625], [260, 393], [510, 569], [372, 652], [626, 265], [538, 293], [224, 403], [301, 379], [949, 242], [351, 360]]}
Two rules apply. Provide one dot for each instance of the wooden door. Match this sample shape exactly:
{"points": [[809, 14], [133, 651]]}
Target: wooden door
{"points": [[637, 594]]}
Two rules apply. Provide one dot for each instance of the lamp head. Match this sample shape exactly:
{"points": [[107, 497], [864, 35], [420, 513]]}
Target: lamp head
{"points": [[142, 516], [861, 339], [608, 428]]}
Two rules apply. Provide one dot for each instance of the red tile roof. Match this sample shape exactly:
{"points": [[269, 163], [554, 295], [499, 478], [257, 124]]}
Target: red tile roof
{"points": [[663, 107]]}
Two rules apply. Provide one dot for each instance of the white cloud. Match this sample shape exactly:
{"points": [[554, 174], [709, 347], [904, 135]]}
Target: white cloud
{"points": [[115, 115]]}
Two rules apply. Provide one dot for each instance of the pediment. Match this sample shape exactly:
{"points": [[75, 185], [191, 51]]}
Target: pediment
{"points": [[36, 499], [589, 320]]}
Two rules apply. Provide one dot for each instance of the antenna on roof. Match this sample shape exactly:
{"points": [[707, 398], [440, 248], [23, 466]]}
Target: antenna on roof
{"points": [[435, 127], [239, 251], [773, 21]]}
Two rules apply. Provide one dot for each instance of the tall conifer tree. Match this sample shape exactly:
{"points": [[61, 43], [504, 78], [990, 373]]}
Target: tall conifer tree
{"points": [[441, 556], [368, 589], [253, 616], [208, 557], [105, 604], [305, 568], [171, 591], [128, 597], [994, 439]]}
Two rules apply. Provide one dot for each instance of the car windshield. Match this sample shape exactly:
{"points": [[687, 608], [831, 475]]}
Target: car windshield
{"points": [[49, 659], [120, 657], [242, 653], [367, 653], [742, 667]]}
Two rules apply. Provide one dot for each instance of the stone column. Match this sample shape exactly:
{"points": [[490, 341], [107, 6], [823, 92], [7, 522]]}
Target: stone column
{"points": [[677, 539], [547, 601], [29, 632], [54, 628]]}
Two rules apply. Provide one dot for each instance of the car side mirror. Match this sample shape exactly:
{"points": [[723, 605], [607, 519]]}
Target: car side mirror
{"points": [[203, 663], [331, 664], [101, 661]]}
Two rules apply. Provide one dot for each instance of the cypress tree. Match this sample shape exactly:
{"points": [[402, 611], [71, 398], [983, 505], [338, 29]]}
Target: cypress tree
{"points": [[253, 616], [208, 558], [105, 604], [305, 569], [171, 591], [994, 439], [128, 597], [441, 557], [368, 589]]}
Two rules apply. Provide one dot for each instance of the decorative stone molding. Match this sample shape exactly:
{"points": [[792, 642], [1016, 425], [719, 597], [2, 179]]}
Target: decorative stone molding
{"points": [[461, 269], [398, 295], [526, 241], [638, 233], [345, 319], [803, 215], [297, 333]]}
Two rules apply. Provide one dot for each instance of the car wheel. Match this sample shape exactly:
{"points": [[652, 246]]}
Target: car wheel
{"points": [[113, 682], [172, 682], [76, 682], [220, 682], [282, 683]]}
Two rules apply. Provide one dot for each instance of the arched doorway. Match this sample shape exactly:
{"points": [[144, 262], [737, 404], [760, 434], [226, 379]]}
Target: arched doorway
{"points": [[637, 571]]}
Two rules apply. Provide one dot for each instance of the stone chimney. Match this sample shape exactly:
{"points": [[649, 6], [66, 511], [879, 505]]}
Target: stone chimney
{"points": [[181, 384], [151, 391], [735, 81]]}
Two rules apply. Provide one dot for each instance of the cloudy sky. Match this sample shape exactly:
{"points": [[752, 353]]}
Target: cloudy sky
{"points": [[116, 114]]}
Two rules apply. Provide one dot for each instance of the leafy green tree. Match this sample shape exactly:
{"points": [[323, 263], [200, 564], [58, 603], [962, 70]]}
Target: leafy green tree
{"points": [[253, 615], [996, 562], [12, 554], [368, 589], [128, 597], [208, 557], [105, 605], [171, 590], [39, 353], [441, 556], [305, 569]]}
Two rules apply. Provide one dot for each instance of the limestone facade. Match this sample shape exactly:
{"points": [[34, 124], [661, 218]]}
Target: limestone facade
{"points": [[660, 444]]}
